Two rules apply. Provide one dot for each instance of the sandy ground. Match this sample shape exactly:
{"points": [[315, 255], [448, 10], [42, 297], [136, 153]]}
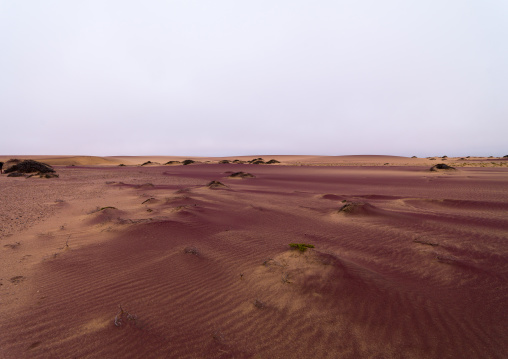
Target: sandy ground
{"points": [[415, 267]]}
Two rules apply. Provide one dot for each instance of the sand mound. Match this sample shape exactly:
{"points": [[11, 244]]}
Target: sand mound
{"points": [[104, 215]]}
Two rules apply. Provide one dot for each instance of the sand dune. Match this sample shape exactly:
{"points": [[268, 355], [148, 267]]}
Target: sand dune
{"points": [[418, 269]]}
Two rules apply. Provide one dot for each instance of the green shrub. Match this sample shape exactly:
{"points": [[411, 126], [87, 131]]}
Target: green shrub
{"points": [[302, 247]]}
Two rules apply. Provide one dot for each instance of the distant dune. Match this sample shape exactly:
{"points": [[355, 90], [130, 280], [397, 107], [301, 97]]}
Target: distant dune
{"points": [[359, 160]]}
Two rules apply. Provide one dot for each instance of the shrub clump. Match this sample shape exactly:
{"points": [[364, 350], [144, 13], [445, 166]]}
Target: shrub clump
{"points": [[187, 162], [257, 161], [147, 163], [30, 166], [216, 184], [302, 247], [224, 161], [241, 175], [272, 161], [441, 166]]}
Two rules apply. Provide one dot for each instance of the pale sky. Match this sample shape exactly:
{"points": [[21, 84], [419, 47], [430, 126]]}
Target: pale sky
{"points": [[218, 78]]}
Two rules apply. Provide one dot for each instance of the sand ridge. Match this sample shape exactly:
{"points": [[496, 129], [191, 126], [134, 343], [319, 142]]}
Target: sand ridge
{"points": [[419, 272]]}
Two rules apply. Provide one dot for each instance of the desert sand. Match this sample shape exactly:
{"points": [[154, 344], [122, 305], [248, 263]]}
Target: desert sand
{"points": [[134, 261]]}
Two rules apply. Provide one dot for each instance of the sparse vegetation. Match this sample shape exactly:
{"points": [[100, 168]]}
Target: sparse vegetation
{"points": [[259, 304], [224, 161], [272, 161], [191, 250], [240, 175], [441, 166], [187, 162], [302, 247], [172, 162], [121, 165], [257, 161], [123, 315], [30, 166], [216, 184]]}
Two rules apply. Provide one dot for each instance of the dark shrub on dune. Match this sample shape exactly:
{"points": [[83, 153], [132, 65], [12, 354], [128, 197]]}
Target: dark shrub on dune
{"points": [[147, 163], [15, 174], [272, 161], [187, 162], [441, 166], [172, 162], [30, 166], [241, 175], [224, 161], [216, 184], [258, 160]]}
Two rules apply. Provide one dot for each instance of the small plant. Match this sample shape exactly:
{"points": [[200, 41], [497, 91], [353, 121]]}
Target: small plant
{"points": [[272, 161], [121, 315], [121, 165], [191, 250], [285, 278], [302, 247], [259, 304], [187, 162]]}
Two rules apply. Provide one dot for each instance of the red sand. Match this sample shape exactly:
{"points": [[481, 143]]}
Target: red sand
{"points": [[418, 270]]}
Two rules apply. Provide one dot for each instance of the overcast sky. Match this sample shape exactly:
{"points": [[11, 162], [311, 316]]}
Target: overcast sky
{"points": [[217, 78]]}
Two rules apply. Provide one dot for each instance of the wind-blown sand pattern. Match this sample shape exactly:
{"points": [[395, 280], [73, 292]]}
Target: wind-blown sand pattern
{"points": [[416, 267]]}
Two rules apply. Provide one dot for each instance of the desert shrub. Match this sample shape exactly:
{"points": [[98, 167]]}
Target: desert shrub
{"points": [[414, 157], [224, 161], [302, 247], [187, 162], [191, 250], [272, 161], [241, 175], [259, 304], [216, 184], [172, 162], [505, 156], [256, 159], [441, 166], [146, 163], [30, 166], [121, 165]]}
